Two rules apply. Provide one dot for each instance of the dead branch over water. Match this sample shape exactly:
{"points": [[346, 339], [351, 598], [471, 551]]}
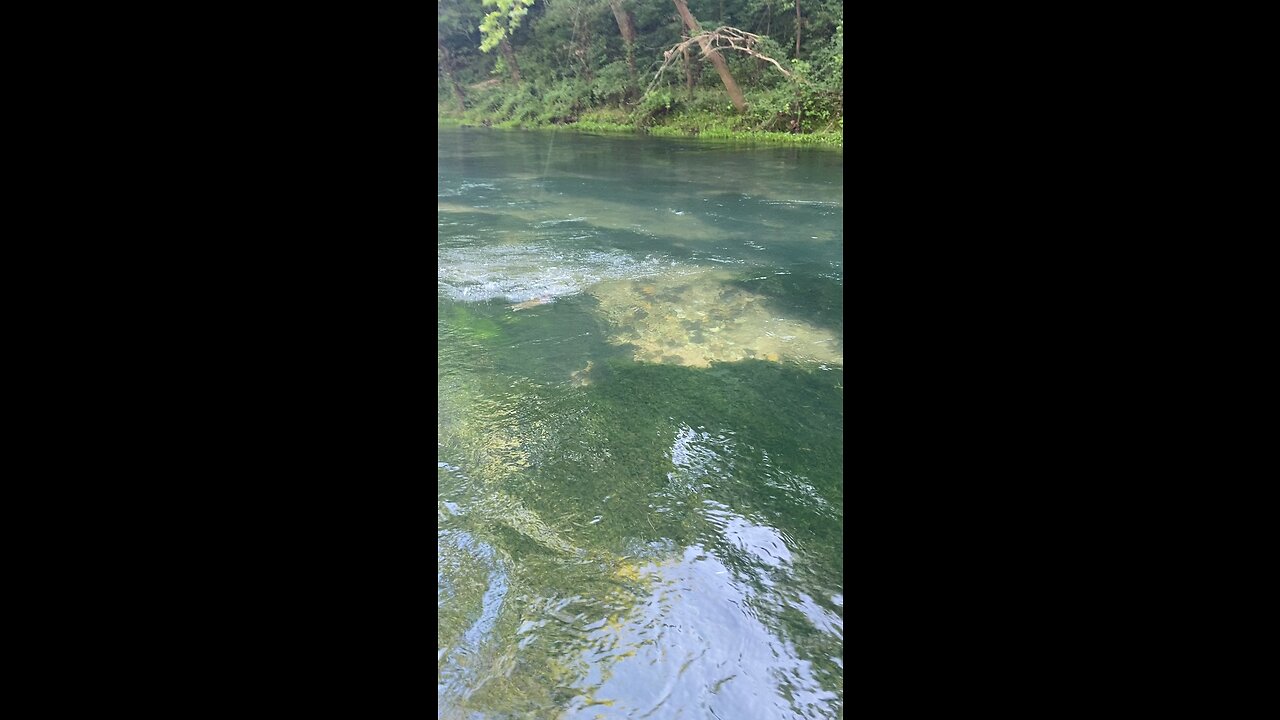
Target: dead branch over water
{"points": [[722, 38]]}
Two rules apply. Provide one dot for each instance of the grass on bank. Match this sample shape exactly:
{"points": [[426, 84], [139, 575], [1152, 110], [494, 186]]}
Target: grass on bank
{"points": [[771, 116]]}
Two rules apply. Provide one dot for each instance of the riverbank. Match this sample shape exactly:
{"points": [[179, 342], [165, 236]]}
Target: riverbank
{"points": [[667, 118], [829, 140]]}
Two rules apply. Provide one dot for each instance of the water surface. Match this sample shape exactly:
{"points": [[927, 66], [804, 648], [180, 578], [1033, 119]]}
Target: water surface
{"points": [[640, 436]]}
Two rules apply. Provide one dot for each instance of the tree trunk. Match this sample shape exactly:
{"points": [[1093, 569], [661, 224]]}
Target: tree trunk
{"points": [[797, 29], [509, 54], [582, 41], [768, 32], [735, 93], [446, 62], [626, 26], [688, 72]]}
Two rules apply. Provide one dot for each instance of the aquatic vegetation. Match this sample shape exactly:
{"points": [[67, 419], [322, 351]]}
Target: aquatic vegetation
{"points": [[472, 325], [493, 449], [592, 604]]}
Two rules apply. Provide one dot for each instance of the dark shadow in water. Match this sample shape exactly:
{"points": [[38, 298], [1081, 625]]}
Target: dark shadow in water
{"points": [[805, 292]]}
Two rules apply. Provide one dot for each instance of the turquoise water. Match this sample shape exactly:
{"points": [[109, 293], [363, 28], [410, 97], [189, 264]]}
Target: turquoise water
{"points": [[640, 436]]}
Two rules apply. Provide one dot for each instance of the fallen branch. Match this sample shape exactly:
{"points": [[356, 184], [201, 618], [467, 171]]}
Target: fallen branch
{"points": [[722, 38]]}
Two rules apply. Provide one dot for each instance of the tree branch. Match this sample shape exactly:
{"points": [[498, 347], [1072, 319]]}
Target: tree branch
{"points": [[722, 38]]}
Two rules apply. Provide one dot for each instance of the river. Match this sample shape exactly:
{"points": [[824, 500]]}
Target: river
{"points": [[640, 433]]}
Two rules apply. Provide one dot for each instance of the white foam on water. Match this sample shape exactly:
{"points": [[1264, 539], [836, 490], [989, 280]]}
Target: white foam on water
{"points": [[545, 223], [524, 272], [826, 203]]}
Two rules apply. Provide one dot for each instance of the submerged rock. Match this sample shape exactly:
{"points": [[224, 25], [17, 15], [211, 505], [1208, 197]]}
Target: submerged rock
{"points": [[731, 324]]}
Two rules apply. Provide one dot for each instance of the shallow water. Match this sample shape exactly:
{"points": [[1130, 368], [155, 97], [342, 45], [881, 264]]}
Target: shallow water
{"points": [[640, 435]]}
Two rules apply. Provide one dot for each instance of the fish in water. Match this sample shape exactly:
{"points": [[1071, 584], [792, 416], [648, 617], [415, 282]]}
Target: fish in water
{"points": [[582, 377], [540, 300]]}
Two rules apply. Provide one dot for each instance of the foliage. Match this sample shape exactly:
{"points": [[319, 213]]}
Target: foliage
{"points": [[609, 87], [574, 71], [654, 105], [500, 23]]}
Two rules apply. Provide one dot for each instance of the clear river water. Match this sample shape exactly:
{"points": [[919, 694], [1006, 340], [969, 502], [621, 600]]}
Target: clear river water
{"points": [[640, 438]]}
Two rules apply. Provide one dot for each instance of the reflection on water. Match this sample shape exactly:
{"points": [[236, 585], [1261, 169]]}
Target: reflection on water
{"points": [[639, 441], [705, 643]]}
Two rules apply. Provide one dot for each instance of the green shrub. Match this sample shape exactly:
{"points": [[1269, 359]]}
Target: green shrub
{"points": [[654, 105]]}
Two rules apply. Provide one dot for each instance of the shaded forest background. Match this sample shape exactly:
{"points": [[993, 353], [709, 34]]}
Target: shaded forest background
{"points": [[707, 67]]}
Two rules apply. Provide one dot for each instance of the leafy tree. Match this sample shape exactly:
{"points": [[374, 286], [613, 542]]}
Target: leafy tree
{"points": [[730, 85], [497, 26], [627, 28], [587, 60], [500, 23]]}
